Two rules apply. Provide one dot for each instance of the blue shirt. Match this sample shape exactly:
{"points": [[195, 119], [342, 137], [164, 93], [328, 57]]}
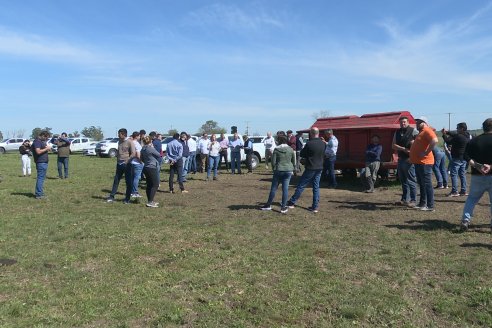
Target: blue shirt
{"points": [[43, 158], [174, 150], [157, 145], [373, 153]]}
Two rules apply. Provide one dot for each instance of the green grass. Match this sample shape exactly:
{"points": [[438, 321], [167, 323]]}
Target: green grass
{"points": [[210, 258]]}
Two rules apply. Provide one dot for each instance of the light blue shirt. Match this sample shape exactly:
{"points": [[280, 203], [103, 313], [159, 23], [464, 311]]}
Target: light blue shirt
{"points": [[174, 150], [331, 147], [236, 145]]}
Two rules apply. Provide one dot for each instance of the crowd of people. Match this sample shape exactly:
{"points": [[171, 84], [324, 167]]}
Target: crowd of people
{"points": [[140, 157]]}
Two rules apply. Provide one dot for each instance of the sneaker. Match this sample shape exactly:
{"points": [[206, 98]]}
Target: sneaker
{"points": [[411, 204], [419, 207], [266, 208], [284, 210], [368, 191], [215, 178], [446, 187], [427, 209], [136, 195], [184, 191], [463, 193], [464, 225], [151, 204], [126, 202], [171, 191], [314, 210], [109, 199], [453, 194], [40, 197], [290, 204], [439, 187]]}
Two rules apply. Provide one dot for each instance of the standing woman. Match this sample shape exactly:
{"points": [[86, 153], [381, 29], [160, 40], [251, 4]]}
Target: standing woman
{"points": [[150, 158], [283, 163], [25, 151], [214, 149]]}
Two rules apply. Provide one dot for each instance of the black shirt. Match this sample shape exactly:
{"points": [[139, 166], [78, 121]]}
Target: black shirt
{"points": [[314, 153], [43, 158], [480, 150]]}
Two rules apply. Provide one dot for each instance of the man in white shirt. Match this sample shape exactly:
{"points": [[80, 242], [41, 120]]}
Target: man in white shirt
{"points": [[192, 156], [203, 150], [330, 158], [270, 145]]}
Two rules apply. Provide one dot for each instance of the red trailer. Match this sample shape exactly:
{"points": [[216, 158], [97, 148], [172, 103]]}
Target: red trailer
{"points": [[354, 134]]}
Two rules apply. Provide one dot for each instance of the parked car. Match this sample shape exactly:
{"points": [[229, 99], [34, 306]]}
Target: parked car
{"points": [[91, 150], [11, 144], [78, 144], [107, 148]]}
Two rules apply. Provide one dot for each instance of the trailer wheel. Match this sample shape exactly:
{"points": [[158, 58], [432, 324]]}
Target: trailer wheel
{"points": [[349, 173]]}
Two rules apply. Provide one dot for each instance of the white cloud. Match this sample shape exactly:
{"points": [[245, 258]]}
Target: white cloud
{"points": [[233, 18]]}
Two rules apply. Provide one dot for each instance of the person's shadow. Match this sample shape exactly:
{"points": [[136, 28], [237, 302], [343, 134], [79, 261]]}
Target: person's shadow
{"points": [[482, 245], [25, 194]]}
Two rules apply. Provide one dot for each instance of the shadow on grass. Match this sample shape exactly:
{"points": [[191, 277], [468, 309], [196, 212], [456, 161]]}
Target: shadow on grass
{"points": [[481, 245], [425, 225], [25, 194], [365, 206], [243, 207]]}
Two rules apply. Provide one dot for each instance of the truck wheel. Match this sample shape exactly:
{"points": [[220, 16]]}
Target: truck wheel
{"points": [[2, 150], [254, 161], [112, 153]]}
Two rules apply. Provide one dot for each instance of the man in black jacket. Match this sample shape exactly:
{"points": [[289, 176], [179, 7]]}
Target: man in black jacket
{"points": [[313, 154], [458, 141]]}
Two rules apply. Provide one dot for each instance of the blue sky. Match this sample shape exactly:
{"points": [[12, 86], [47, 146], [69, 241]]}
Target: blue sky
{"points": [[269, 65]]}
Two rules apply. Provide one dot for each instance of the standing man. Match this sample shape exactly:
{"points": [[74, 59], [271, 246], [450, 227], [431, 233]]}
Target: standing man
{"points": [[192, 156], [136, 164], [402, 141], [224, 146], [458, 142], [175, 155], [126, 151], [299, 145], [423, 159], [40, 151], [203, 144], [183, 139], [235, 145], [479, 153], [373, 161], [330, 158], [269, 143], [312, 153], [63, 153], [248, 151]]}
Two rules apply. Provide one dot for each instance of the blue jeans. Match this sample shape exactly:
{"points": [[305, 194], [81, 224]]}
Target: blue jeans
{"points": [[284, 178], [406, 174], [479, 185], [185, 167], [458, 168], [41, 169], [192, 162], [235, 162], [126, 169], [329, 168], [308, 176], [439, 169], [62, 161], [136, 174], [213, 162], [424, 179]]}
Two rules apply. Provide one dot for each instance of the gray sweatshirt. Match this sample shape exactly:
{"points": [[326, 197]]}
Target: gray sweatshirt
{"points": [[149, 156]]}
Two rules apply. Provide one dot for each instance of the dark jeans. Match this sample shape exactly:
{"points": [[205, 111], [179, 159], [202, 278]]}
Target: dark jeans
{"points": [[223, 154], [406, 174], [126, 169], [62, 163], [280, 177], [235, 162], [41, 169], [176, 168], [424, 179], [249, 159], [152, 179], [329, 170], [308, 176]]}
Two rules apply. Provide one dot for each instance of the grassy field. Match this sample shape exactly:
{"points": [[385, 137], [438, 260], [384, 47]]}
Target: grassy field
{"points": [[210, 258]]}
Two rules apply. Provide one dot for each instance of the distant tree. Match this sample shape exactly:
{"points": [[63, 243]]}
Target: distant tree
{"points": [[321, 114], [37, 131], [211, 127], [94, 132], [171, 132], [75, 134], [20, 133]]}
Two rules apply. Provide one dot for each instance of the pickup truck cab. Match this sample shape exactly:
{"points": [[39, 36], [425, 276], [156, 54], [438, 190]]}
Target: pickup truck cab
{"points": [[10, 145]]}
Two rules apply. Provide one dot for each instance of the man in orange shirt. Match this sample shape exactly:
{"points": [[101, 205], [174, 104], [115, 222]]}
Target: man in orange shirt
{"points": [[423, 159]]}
